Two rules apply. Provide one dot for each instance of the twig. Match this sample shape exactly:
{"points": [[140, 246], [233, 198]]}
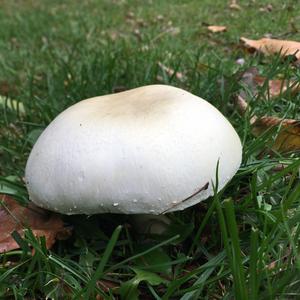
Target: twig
{"points": [[205, 187]]}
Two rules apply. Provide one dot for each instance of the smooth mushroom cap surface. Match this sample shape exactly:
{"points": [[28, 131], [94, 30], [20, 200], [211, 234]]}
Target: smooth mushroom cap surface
{"points": [[149, 150]]}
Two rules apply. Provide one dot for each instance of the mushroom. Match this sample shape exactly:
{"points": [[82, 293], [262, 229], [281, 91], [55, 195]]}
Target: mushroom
{"points": [[149, 150]]}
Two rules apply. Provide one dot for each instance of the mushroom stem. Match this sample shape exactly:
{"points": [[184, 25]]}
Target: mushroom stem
{"points": [[150, 224]]}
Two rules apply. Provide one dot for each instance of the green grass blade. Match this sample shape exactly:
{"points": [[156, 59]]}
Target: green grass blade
{"points": [[232, 227], [253, 284], [120, 264], [100, 269]]}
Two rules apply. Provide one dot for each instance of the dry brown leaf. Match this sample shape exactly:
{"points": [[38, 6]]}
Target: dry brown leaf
{"points": [[277, 86], [233, 5], [171, 72], [272, 46], [288, 137], [14, 217], [241, 104], [267, 8], [215, 28], [252, 80]]}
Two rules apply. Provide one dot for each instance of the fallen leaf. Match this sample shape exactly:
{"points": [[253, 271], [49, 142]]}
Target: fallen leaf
{"points": [[215, 28], [288, 136], [272, 265], [272, 46], [267, 8], [171, 72], [277, 86], [241, 104], [233, 5], [251, 80], [14, 217]]}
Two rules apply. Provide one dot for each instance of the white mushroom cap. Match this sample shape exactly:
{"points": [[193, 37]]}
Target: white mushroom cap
{"points": [[146, 150]]}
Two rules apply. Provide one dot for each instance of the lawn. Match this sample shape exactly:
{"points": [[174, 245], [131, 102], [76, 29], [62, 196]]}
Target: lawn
{"points": [[243, 243]]}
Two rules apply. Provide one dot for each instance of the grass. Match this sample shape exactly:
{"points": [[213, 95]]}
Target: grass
{"points": [[241, 244]]}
